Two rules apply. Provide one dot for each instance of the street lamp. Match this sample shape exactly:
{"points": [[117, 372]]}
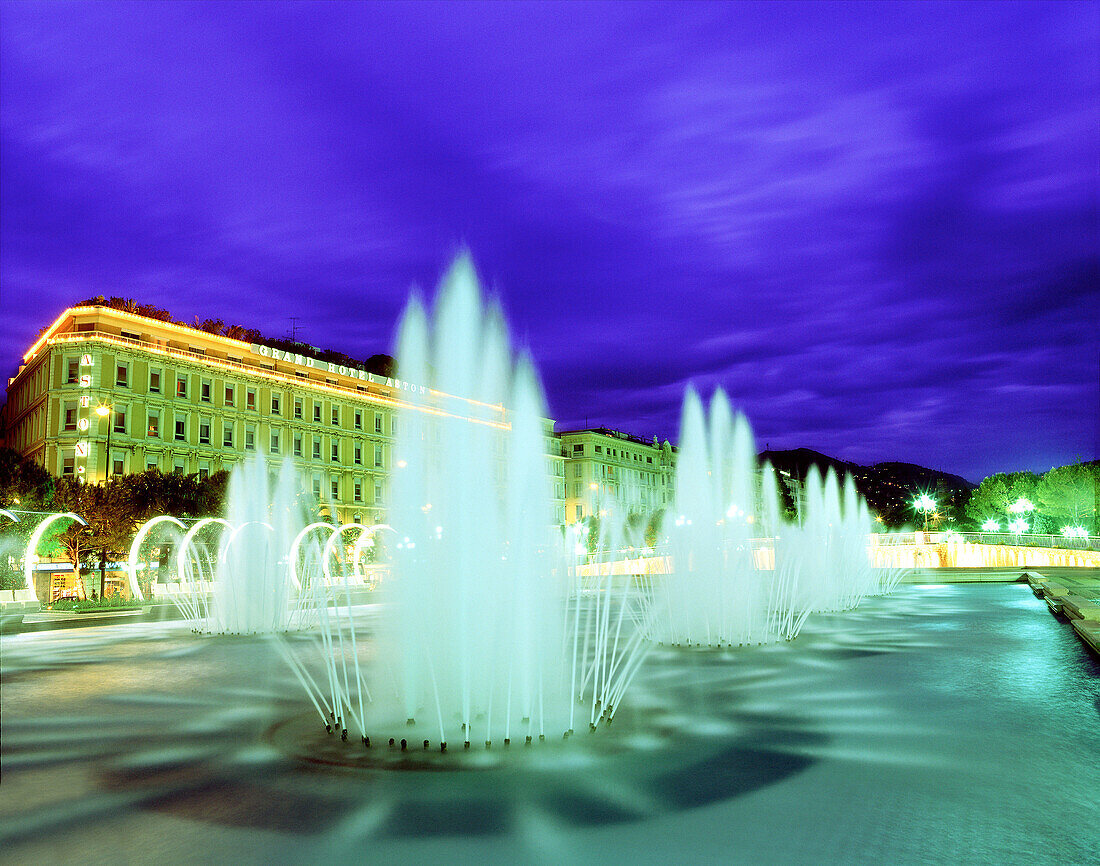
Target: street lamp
{"points": [[104, 411], [925, 504]]}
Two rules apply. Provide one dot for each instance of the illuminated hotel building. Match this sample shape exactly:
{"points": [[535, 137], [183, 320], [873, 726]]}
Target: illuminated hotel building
{"points": [[105, 392], [609, 469]]}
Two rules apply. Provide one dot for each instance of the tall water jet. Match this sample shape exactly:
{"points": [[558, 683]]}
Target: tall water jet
{"points": [[249, 585]]}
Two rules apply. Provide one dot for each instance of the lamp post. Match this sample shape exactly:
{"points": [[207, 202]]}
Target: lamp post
{"points": [[104, 411], [925, 504]]}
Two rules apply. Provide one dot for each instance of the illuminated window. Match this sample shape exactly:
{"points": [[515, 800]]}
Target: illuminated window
{"points": [[229, 396], [70, 416], [72, 374], [152, 426], [181, 386], [250, 399]]}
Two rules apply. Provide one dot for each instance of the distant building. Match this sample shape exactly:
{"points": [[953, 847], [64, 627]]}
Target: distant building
{"points": [[608, 468], [178, 399]]}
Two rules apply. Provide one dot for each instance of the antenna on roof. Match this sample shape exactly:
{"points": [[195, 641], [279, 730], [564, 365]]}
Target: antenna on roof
{"points": [[294, 328]]}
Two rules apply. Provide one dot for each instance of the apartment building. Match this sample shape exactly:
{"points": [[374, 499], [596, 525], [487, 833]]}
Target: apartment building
{"points": [[608, 468]]}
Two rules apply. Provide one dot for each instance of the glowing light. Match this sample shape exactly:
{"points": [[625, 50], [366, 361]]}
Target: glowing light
{"points": [[991, 525], [924, 503], [103, 411], [1075, 532], [1021, 506], [1018, 526]]}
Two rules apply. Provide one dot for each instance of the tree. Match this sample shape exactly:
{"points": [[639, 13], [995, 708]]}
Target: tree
{"points": [[1068, 496], [23, 482], [997, 492]]}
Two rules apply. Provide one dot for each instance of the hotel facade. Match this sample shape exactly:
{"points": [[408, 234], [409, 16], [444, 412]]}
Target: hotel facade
{"points": [[105, 392]]}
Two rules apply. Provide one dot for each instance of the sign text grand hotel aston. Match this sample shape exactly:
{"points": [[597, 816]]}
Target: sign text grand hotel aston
{"points": [[353, 372]]}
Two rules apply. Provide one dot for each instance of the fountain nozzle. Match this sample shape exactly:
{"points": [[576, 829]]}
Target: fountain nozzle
{"points": [[404, 745], [366, 742], [410, 722], [344, 735], [425, 745], [442, 747]]}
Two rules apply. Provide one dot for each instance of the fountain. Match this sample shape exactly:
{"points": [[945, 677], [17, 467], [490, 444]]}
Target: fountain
{"points": [[739, 572], [486, 634]]}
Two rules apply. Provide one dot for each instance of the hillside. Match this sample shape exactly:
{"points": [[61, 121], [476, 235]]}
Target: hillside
{"points": [[888, 487]]}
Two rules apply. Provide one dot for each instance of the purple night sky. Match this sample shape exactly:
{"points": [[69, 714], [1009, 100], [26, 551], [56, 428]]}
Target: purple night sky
{"points": [[874, 225]]}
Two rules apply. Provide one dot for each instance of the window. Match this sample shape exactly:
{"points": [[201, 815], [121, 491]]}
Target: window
{"points": [[599, 449], [578, 449], [68, 466], [150, 463], [297, 407], [119, 415], [335, 488], [576, 470], [274, 441], [275, 405], [178, 468], [377, 423], [72, 374], [316, 413], [378, 456], [336, 416], [377, 492], [70, 416], [204, 472], [204, 431], [297, 444], [316, 447], [118, 466], [154, 381], [249, 437], [357, 454], [152, 424], [227, 434], [250, 399], [358, 419], [317, 486], [205, 389], [122, 374], [181, 428], [649, 460], [181, 386], [335, 450], [393, 427], [580, 512], [358, 490], [228, 395]]}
